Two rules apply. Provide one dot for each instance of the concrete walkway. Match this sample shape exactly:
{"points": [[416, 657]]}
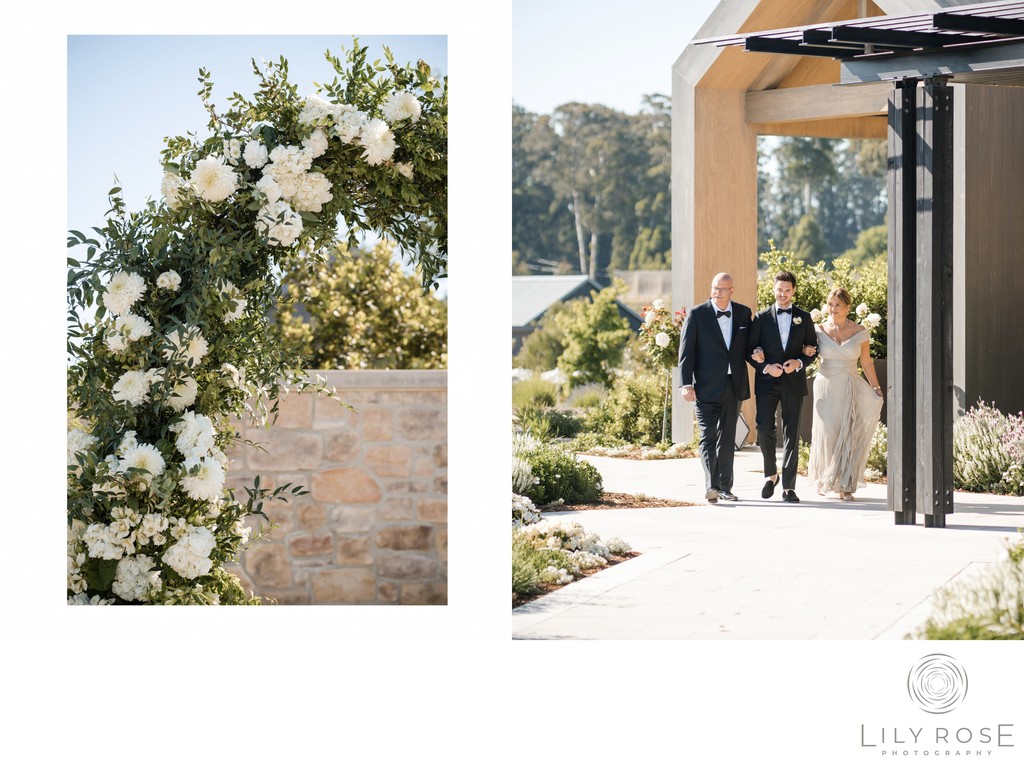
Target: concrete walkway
{"points": [[762, 569]]}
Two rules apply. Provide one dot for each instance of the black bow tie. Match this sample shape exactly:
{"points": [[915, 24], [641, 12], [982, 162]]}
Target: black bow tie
{"points": [[721, 314], [785, 311]]}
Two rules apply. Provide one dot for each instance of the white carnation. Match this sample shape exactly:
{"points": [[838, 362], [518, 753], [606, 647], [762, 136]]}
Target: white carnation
{"points": [[661, 340], [183, 395], [123, 291], [196, 349], [213, 180], [169, 280], [133, 387], [281, 225], [378, 142], [134, 577], [316, 144], [400, 106], [255, 154], [171, 187], [188, 556]]}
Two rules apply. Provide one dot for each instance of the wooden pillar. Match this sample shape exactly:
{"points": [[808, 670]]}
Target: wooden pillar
{"points": [[902, 303], [934, 326]]}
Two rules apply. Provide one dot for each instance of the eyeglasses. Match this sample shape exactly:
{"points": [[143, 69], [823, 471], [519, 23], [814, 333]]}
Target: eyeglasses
{"points": [[721, 289]]}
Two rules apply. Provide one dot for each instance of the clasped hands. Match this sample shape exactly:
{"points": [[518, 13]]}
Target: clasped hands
{"points": [[790, 365]]}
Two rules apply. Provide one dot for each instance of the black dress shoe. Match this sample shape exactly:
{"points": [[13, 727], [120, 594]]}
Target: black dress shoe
{"points": [[711, 495], [727, 495], [789, 496], [769, 488]]}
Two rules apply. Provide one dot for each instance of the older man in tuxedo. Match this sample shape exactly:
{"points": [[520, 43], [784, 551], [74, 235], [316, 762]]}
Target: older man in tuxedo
{"points": [[713, 370]]}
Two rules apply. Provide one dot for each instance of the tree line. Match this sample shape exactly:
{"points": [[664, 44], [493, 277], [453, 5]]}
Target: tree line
{"points": [[591, 192]]}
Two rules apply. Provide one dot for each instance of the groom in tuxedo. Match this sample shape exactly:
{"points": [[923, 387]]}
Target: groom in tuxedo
{"points": [[782, 333], [713, 370]]}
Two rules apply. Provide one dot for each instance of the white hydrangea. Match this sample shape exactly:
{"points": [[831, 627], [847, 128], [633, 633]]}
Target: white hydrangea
{"points": [[79, 440], [213, 180], [183, 395], [661, 340], [289, 160], [134, 577], [316, 143], [405, 168], [281, 225], [378, 142], [124, 289], [104, 542], [269, 188], [133, 386], [255, 154], [207, 483], [400, 106], [196, 349], [146, 457], [195, 435], [348, 122], [188, 556], [169, 280], [233, 150], [310, 192], [171, 187]]}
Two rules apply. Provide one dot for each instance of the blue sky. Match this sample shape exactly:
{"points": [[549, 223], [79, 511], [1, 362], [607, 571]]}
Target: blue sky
{"points": [[598, 51], [127, 92]]}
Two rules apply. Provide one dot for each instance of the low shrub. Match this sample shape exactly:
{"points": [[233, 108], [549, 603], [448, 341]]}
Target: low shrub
{"points": [[988, 451], [534, 392], [877, 456], [586, 397], [633, 411], [558, 475], [546, 424]]}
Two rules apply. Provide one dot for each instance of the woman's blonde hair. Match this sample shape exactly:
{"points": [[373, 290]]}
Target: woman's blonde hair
{"points": [[841, 294]]}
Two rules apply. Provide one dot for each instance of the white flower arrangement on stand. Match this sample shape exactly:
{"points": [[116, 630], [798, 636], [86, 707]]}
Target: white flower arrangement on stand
{"points": [[183, 291]]}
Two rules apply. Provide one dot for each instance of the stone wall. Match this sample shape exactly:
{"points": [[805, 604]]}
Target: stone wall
{"points": [[374, 527]]}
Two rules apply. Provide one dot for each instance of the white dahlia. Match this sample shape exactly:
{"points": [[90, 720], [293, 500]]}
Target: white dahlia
{"points": [[195, 435], [79, 440], [132, 387], [213, 180], [144, 456], [378, 142], [123, 291], [400, 106]]}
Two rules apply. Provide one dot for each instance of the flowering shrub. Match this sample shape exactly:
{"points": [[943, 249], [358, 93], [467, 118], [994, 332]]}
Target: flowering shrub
{"points": [[988, 451], [558, 475], [183, 292], [633, 411], [660, 334], [523, 511]]}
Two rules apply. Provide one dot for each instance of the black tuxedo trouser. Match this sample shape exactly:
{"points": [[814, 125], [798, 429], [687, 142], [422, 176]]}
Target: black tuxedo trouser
{"points": [[767, 404], [717, 422]]}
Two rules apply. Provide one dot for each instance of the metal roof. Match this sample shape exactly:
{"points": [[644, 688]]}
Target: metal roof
{"points": [[960, 29], [533, 295]]}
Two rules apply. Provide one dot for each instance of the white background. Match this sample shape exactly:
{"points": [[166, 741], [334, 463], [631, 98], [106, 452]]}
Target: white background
{"points": [[388, 684]]}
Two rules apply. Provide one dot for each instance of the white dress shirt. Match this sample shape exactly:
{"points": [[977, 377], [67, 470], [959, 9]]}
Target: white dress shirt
{"points": [[785, 322], [725, 323]]}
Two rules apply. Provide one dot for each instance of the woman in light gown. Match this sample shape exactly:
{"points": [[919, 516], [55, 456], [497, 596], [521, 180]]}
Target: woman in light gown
{"points": [[846, 407]]}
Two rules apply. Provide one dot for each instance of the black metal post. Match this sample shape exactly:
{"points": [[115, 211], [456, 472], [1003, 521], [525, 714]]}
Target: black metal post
{"points": [[902, 303], [934, 326]]}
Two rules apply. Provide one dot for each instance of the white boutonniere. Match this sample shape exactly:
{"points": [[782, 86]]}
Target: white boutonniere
{"points": [[797, 320]]}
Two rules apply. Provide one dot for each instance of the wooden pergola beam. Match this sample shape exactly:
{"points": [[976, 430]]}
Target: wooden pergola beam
{"points": [[817, 102]]}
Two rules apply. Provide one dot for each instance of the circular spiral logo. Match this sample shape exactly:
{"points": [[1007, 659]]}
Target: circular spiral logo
{"points": [[937, 683]]}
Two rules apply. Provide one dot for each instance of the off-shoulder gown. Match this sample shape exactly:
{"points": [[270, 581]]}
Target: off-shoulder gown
{"points": [[846, 412]]}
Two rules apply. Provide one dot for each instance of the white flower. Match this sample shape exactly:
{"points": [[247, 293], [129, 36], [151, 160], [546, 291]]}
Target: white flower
{"points": [[79, 440], [815, 315], [650, 316], [378, 142], [127, 328], [169, 280], [171, 187], [316, 144], [207, 483], [213, 180], [798, 320], [255, 154], [405, 168], [196, 349], [316, 111], [281, 225], [661, 340], [151, 528], [399, 106], [871, 321], [233, 150], [289, 160], [146, 457], [183, 395], [103, 542], [348, 122], [311, 191], [188, 556], [82, 599], [123, 291], [237, 376], [195, 435], [133, 387], [270, 188], [134, 577], [862, 310], [658, 303]]}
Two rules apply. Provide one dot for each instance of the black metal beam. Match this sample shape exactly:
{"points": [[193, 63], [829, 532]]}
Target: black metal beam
{"points": [[935, 301], [974, 60], [895, 38], [992, 25], [902, 306], [824, 37], [793, 48]]}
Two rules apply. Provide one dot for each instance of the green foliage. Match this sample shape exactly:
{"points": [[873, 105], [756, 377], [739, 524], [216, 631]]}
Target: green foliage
{"points": [[659, 334], [529, 561], [878, 465], [542, 347], [872, 245], [805, 241], [803, 454], [360, 310], [559, 475], [595, 336], [988, 605], [534, 391], [988, 451], [586, 397], [632, 412]]}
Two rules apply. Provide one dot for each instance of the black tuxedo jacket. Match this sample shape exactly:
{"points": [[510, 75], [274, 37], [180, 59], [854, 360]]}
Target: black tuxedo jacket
{"points": [[765, 333], [704, 360]]}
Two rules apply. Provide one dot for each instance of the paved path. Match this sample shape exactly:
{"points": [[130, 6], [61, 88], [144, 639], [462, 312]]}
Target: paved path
{"points": [[762, 569]]}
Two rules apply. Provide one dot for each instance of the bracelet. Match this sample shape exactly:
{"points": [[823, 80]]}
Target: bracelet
{"points": [[877, 388]]}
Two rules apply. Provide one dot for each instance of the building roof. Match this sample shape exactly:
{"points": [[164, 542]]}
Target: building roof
{"points": [[533, 295]]}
